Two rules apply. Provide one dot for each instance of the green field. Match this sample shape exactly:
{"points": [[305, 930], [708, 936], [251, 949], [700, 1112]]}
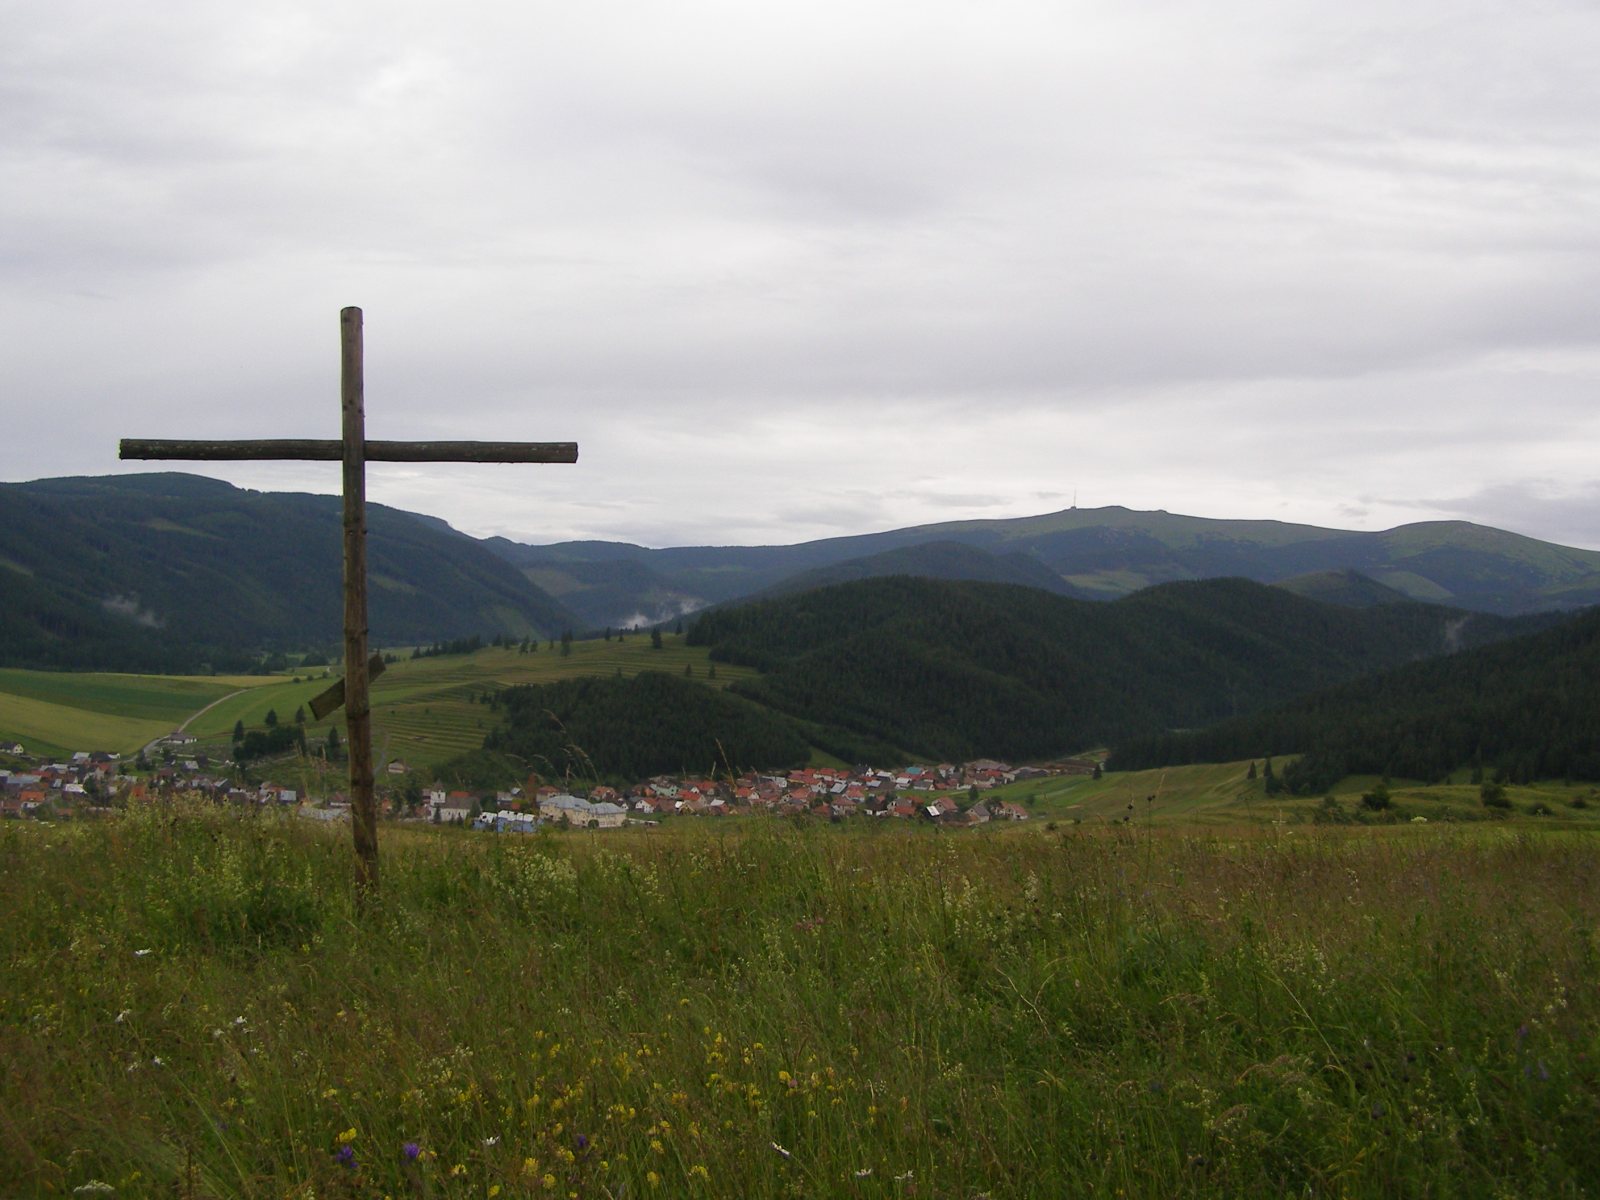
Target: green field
{"points": [[196, 1008], [57, 712], [421, 707], [1223, 793]]}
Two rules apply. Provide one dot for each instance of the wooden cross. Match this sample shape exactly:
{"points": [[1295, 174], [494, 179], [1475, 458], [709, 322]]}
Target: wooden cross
{"points": [[355, 451]]}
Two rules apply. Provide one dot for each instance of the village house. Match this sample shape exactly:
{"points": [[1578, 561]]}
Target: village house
{"points": [[582, 814]]}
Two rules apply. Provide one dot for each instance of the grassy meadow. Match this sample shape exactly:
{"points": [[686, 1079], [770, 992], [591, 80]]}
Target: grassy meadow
{"points": [[193, 1006], [423, 709], [1224, 794], [57, 712]]}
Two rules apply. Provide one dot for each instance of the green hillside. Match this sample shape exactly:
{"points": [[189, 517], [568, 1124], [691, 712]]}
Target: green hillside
{"points": [[1102, 553], [1528, 708], [172, 572], [425, 710], [629, 729], [960, 670]]}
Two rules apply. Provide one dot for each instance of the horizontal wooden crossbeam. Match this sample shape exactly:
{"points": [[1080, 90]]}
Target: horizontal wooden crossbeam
{"points": [[333, 698], [332, 450]]}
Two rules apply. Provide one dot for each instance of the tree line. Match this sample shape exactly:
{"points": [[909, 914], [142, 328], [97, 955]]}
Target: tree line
{"points": [[1522, 709], [960, 669]]}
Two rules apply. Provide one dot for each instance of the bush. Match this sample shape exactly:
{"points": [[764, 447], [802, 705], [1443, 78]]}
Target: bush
{"points": [[1493, 795]]}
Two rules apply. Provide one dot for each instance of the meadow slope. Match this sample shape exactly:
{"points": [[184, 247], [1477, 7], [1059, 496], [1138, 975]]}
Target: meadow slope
{"points": [[192, 1006]]}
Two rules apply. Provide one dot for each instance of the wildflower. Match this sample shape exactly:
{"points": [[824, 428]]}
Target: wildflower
{"points": [[345, 1156], [123, 1016], [492, 1140], [158, 1061], [549, 1181], [781, 1151], [410, 1151], [95, 1187], [699, 1172], [863, 1172], [143, 953], [652, 1179], [348, 1136], [581, 1142], [494, 1190]]}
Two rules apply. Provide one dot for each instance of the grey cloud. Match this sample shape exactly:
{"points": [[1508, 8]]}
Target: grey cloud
{"points": [[753, 256], [1567, 513]]}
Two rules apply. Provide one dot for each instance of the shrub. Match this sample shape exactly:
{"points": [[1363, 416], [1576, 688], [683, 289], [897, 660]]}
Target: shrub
{"points": [[1493, 795]]}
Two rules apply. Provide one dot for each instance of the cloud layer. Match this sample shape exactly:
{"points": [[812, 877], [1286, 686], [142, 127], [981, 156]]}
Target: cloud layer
{"points": [[793, 271]]}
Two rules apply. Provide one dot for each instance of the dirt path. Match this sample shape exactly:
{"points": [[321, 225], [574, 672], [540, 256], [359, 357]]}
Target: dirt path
{"points": [[209, 707], [151, 748]]}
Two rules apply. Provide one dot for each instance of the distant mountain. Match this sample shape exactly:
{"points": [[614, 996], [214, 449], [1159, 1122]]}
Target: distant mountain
{"points": [[928, 560], [1351, 589], [1527, 706], [168, 571], [1103, 553], [956, 670]]}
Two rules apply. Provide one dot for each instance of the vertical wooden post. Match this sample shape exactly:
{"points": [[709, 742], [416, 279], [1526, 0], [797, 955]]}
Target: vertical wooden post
{"points": [[358, 707], [354, 450]]}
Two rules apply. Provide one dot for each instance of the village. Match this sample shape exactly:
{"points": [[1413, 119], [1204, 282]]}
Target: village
{"points": [[90, 784]]}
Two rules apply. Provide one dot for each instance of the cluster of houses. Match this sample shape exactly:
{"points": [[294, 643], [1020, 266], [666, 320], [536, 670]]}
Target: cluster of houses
{"points": [[92, 783], [947, 793], [44, 788], [87, 783]]}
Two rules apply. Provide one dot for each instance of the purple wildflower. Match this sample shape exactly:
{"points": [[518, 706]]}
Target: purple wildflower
{"points": [[345, 1156], [581, 1142], [410, 1151]]}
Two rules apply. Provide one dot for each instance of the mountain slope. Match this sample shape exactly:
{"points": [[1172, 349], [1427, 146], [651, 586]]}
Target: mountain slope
{"points": [[1351, 589], [172, 570], [1528, 706], [1107, 553], [955, 670], [927, 560]]}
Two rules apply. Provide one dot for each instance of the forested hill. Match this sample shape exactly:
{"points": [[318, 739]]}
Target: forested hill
{"points": [[628, 729], [956, 670], [930, 560], [1529, 706], [168, 571]]}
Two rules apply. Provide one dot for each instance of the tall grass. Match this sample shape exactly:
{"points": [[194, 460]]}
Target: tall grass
{"points": [[191, 1006]]}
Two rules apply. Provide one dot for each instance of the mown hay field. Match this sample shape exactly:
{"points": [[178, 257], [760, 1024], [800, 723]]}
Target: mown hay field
{"points": [[193, 1005]]}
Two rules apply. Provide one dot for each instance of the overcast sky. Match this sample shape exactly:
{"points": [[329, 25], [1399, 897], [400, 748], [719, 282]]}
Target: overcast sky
{"points": [[791, 270]]}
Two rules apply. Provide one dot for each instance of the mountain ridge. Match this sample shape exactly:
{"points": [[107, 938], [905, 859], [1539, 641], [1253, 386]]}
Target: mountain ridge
{"points": [[1107, 553], [170, 571]]}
